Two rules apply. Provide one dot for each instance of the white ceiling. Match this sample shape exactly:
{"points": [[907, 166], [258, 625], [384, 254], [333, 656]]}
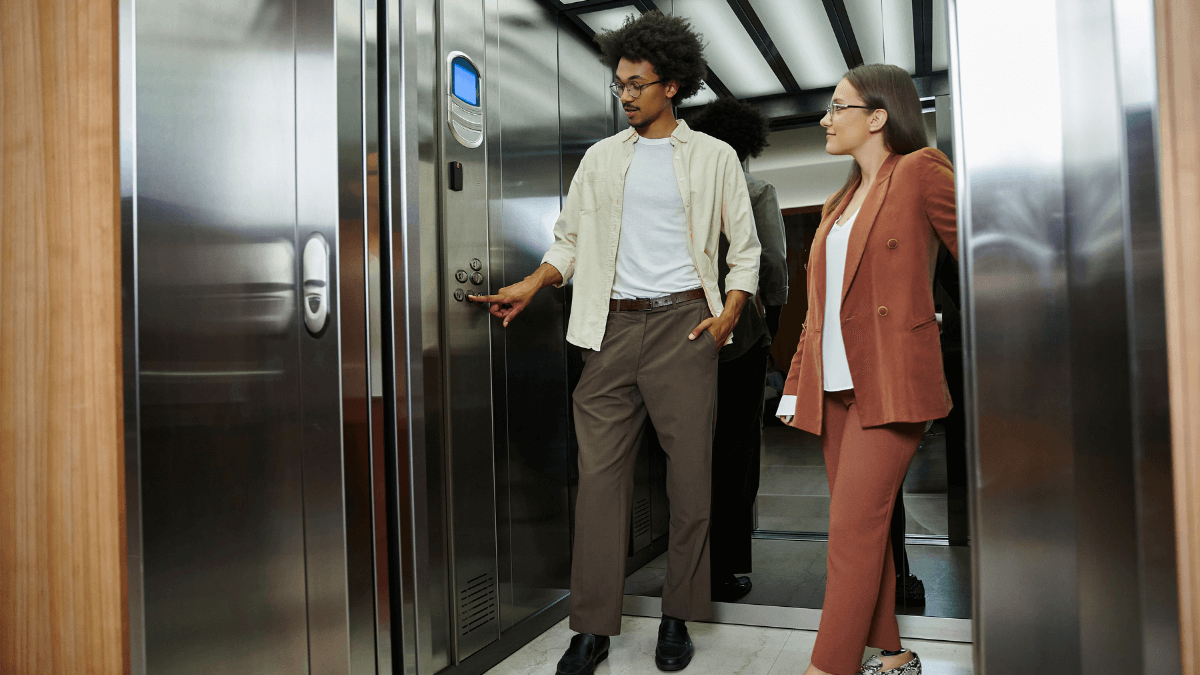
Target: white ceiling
{"points": [[801, 32], [608, 19], [731, 53]]}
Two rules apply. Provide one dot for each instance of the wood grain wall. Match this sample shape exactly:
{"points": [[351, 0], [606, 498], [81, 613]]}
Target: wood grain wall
{"points": [[1179, 98], [62, 562]]}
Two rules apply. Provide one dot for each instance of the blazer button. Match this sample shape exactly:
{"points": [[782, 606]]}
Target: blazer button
{"points": [[892, 243], [883, 311]]}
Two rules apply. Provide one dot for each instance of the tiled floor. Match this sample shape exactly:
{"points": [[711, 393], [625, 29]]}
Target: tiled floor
{"points": [[720, 650]]}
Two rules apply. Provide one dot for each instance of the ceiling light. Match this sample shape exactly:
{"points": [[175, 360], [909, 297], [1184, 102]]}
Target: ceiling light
{"points": [[732, 54], [801, 32]]}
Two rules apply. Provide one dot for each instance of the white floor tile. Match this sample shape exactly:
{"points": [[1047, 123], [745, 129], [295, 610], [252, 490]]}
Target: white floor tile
{"points": [[720, 650], [937, 658]]}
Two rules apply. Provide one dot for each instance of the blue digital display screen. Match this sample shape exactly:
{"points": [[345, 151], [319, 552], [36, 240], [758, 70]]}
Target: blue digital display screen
{"points": [[466, 82]]}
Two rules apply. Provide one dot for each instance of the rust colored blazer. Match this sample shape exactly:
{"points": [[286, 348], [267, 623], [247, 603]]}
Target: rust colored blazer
{"points": [[888, 323]]}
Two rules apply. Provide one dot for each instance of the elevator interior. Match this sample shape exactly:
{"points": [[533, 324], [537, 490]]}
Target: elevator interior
{"points": [[337, 465]]}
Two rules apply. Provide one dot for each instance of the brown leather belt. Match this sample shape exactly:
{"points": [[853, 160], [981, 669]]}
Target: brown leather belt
{"points": [[644, 304]]}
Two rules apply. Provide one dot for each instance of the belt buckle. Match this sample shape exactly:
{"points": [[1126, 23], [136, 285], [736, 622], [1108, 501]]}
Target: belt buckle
{"points": [[660, 301]]}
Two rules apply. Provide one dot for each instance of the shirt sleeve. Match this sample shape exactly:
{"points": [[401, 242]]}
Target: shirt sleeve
{"points": [[566, 232], [787, 406], [737, 222], [772, 270]]}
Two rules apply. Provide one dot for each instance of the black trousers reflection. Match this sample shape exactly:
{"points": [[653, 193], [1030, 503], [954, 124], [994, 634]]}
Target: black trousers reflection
{"points": [[737, 446], [955, 425]]}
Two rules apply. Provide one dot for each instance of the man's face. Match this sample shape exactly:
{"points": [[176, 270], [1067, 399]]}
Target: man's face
{"points": [[655, 98]]}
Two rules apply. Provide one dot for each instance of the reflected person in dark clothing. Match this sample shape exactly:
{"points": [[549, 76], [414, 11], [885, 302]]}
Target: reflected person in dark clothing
{"points": [[742, 370]]}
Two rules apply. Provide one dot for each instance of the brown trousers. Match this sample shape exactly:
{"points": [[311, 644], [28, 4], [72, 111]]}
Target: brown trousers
{"points": [[646, 366], [866, 468]]}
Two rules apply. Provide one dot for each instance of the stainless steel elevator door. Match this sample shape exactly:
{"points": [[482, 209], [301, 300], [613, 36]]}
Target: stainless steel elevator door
{"points": [[222, 483]]}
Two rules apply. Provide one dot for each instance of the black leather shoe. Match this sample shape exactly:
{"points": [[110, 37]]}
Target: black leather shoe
{"points": [[674, 651], [731, 589], [910, 591], [585, 652]]}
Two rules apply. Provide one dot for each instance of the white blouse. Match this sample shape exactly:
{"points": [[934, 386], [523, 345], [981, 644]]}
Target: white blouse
{"points": [[833, 349]]}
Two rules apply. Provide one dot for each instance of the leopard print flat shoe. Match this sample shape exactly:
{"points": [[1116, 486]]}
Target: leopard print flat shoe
{"points": [[874, 666]]}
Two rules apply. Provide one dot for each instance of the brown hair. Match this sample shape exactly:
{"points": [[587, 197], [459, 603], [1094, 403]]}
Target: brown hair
{"points": [[887, 87]]}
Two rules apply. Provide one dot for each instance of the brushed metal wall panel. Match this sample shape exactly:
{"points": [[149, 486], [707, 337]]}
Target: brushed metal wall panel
{"points": [[222, 487], [525, 71], [586, 115], [1013, 257], [1065, 341]]}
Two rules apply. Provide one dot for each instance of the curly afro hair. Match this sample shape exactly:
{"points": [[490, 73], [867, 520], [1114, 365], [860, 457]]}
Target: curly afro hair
{"points": [[667, 42], [737, 123]]}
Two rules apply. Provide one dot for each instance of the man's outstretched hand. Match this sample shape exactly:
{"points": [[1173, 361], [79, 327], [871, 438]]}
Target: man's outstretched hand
{"points": [[510, 301]]}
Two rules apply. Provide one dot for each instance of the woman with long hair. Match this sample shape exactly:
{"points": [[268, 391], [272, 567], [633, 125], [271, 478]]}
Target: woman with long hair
{"points": [[867, 373]]}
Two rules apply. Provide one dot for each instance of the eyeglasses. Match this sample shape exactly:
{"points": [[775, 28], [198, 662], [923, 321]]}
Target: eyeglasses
{"points": [[634, 88], [835, 107]]}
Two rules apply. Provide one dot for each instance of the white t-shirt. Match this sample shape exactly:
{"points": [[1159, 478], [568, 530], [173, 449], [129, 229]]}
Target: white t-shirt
{"points": [[833, 349], [652, 256]]}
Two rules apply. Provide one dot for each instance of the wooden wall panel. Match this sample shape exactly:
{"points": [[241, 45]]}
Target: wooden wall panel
{"points": [[62, 549], [1179, 99]]}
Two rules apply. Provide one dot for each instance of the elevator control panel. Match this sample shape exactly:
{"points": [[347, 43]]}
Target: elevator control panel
{"points": [[464, 100]]}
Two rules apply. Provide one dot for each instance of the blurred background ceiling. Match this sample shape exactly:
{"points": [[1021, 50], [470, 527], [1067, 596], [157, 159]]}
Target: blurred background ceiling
{"points": [[785, 56]]}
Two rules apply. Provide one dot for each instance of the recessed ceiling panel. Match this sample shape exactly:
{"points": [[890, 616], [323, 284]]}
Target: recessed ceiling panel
{"points": [[884, 31], [941, 38], [801, 32], [608, 19], [731, 54]]}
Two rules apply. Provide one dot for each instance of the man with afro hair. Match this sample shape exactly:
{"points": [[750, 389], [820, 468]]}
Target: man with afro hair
{"points": [[640, 235], [742, 373]]}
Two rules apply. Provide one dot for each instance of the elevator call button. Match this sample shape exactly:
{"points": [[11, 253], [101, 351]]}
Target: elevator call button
{"points": [[461, 276]]}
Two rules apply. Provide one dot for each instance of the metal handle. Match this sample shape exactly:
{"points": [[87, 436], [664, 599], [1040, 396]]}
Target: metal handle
{"points": [[315, 271]]}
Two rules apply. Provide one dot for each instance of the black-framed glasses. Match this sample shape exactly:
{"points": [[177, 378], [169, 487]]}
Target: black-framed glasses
{"points": [[634, 88], [835, 107]]}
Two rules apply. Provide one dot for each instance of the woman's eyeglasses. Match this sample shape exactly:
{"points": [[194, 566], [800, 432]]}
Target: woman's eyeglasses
{"points": [[834, 108]]}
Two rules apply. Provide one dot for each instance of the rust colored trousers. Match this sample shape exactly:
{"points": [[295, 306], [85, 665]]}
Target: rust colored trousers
{"points": [[866, 468]]}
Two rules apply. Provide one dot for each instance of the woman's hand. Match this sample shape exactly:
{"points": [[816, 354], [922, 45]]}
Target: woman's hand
{"points": [[786, 419]]}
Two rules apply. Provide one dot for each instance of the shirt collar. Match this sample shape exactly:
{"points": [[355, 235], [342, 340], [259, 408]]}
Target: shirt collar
{"points": [[683, 133]]}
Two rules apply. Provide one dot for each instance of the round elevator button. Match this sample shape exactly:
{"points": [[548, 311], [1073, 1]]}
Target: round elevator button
{"points": [[460, 294], [461, 275], [477, 279], [476, 264]]}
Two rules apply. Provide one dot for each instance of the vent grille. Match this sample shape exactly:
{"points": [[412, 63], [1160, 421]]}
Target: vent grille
{"points": [[641, 518], [477, 603]]}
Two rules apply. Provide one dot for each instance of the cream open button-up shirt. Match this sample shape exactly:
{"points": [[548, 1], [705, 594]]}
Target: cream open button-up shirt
{"points": [[588, 230]]}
